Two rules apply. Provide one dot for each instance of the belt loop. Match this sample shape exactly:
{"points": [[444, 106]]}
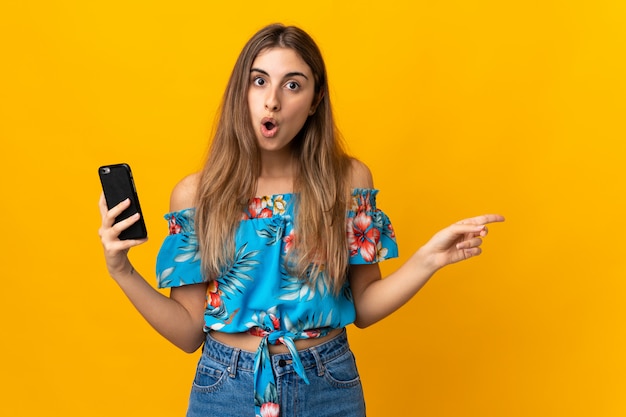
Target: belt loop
{"points": [[318, 361], [232, 368]]}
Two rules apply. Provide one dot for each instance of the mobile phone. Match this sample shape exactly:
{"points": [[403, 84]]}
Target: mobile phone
{"points": [[118, 185]]}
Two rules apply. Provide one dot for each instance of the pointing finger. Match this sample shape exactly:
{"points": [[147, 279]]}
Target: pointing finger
{"points": [[484, 219]]}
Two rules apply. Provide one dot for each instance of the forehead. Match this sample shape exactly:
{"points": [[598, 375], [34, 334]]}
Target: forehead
{"points": [[278, 61]]}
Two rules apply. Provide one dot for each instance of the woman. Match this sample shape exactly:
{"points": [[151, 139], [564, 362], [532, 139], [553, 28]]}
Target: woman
{"points": [[274, 247]]}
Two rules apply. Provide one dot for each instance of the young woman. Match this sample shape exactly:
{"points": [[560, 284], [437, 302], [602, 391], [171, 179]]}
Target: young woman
{"points": [[274, 247]]}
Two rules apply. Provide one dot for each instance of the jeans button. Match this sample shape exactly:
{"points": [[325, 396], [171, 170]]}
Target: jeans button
{"points": [[282, 362]]}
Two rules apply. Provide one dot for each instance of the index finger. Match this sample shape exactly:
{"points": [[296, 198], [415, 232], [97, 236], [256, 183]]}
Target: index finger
{"points": [[113, 212], [484, 219]]}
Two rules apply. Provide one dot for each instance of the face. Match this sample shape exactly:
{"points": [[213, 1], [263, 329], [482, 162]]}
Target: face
{"points": [[280, 97]]}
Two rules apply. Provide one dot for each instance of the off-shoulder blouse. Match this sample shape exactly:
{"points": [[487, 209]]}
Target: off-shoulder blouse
{"points": [[256, 293]]}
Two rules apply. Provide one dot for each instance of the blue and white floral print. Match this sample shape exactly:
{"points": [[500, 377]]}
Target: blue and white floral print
{"points": [[256, 294]]}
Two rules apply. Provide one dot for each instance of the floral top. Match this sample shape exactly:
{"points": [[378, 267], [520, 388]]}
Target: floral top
{"points": [[256, 294]]}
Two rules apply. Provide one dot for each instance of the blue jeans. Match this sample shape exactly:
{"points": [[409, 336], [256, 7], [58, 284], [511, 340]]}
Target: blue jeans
{"points": [[223, 385]]}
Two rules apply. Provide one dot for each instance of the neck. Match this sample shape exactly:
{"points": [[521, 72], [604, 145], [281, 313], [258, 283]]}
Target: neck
{"points": [[277, 164], [277, 173]]}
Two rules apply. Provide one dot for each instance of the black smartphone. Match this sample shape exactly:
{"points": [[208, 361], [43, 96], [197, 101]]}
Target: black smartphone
{"points": [[118, 185]]}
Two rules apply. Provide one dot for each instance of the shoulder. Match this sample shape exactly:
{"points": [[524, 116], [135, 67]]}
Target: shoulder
{"points": [[360, 175], [184, 193]]}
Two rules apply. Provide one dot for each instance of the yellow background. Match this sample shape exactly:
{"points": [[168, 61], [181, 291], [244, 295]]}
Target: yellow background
{"points": [[458, 107]]}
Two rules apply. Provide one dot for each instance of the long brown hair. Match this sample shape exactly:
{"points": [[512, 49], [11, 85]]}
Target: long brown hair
{"points": [[229, 177]]}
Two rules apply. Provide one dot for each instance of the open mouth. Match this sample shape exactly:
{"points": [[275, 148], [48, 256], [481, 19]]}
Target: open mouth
{"points": [[269, 127]]}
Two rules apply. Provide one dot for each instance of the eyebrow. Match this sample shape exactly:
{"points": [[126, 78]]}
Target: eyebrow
{"points": [[289, 74]]}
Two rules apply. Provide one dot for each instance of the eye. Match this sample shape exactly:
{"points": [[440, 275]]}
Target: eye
{"points": [[258, 81], [292, 85]]}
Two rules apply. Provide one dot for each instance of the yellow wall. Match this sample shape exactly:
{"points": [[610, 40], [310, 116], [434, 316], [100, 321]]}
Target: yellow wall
{"points": [[459, 108]]}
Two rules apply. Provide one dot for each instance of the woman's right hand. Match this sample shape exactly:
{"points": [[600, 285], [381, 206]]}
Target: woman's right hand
{"points": [[116, 250]]}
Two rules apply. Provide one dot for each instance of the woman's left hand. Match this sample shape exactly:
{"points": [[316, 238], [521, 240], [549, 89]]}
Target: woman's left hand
{"points": [[459, 241]]}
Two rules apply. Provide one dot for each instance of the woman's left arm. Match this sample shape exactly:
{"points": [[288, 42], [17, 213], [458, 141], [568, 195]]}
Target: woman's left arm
{"points": [[376, 298]]}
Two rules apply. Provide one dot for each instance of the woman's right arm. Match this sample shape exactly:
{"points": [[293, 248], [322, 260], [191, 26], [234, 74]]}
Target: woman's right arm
{"points": [[180, 317]]}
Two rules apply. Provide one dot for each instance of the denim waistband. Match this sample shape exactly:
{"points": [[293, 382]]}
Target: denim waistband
{"points": [[243, 360]]}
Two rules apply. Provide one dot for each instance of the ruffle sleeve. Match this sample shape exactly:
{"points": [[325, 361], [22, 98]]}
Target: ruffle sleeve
{"points": [[371, 237], [178, 261]]}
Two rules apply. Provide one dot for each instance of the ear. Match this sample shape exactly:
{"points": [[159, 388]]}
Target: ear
{"points": [[316, 103]]}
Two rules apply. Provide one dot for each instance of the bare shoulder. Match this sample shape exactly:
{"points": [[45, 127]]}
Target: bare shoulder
{"points": [[360, 175], [184, 193]]}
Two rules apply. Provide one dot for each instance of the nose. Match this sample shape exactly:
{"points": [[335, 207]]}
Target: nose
{"points": [[272, 101]]}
